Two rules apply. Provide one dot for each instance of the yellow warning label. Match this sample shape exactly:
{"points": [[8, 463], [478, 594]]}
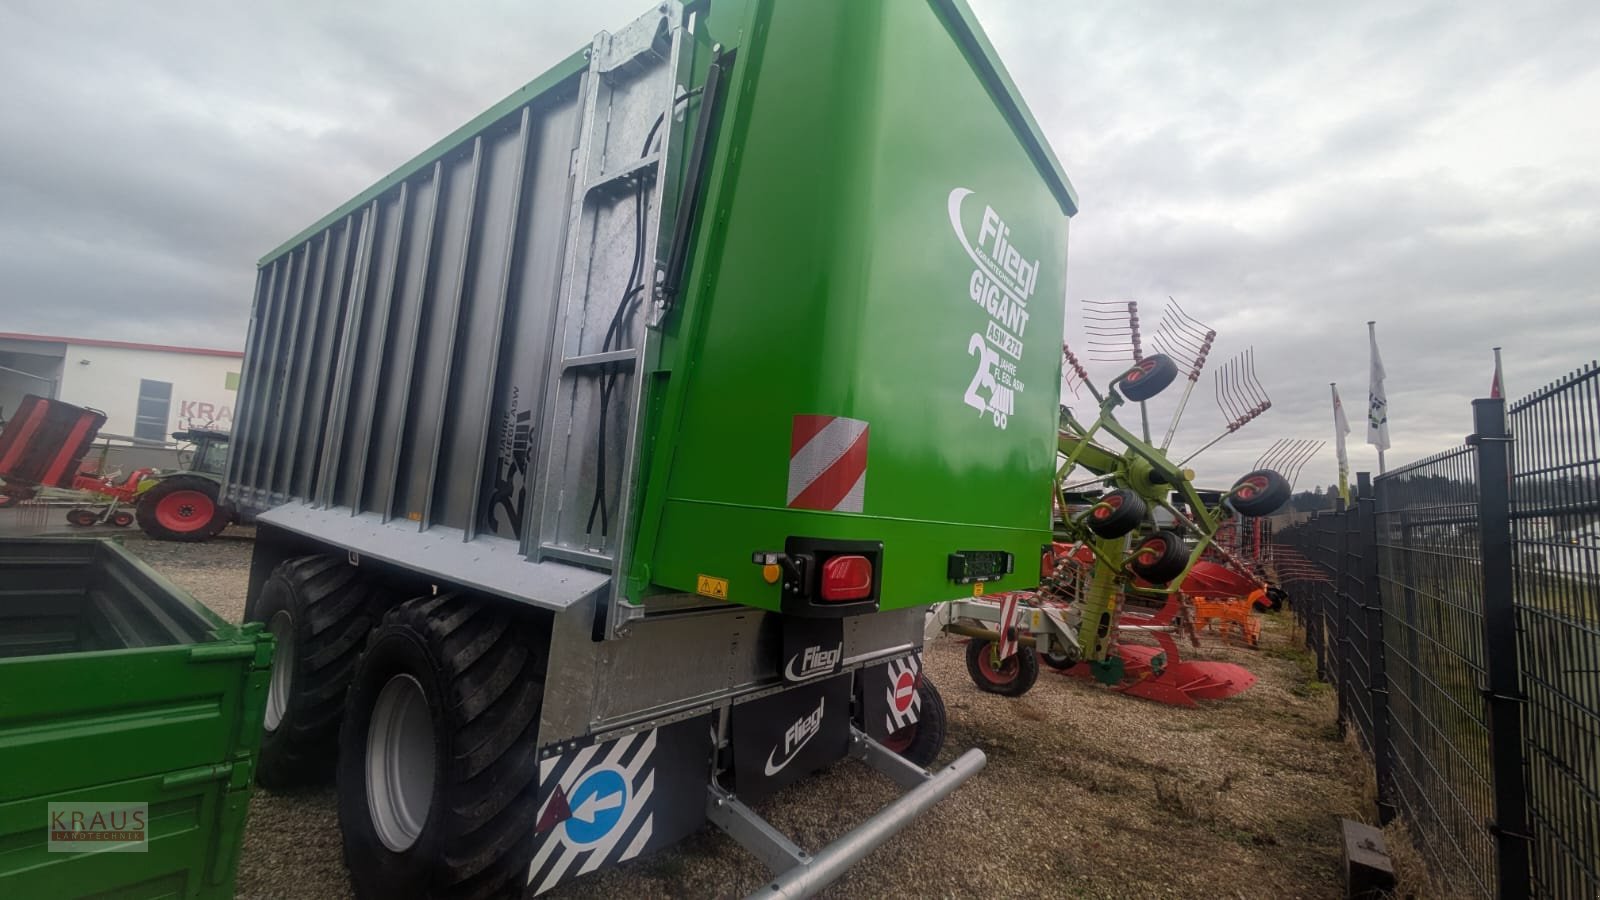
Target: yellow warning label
{"points": [[711, 587], [977, 589]]}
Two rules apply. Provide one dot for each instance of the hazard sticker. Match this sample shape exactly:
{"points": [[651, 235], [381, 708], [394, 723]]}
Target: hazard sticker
{"points": [[715, 588], [828, 464]]}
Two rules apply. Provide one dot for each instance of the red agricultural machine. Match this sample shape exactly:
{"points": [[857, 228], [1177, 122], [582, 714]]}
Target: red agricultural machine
{"points": [[42, 450]]}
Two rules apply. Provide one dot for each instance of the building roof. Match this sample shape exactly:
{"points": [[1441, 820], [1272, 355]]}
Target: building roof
{"points": [[126, 345]]}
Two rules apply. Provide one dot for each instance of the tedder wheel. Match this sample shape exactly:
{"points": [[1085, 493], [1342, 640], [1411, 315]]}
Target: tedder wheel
{"points": [[320, 611], [1011, 678], [1148, 377], [1059, 661], [182, 508], [1259, 493], [438, 782], [122, 518], [7, 501], [1116, 513], [1160, 557], [921, 741], [82, 518]]}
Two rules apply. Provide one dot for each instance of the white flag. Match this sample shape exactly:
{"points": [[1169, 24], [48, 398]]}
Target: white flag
{"points": [[1377, 399], [1341, 427]]}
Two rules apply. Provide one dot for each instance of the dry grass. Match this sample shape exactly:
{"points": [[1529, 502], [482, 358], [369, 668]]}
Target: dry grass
{"points": [[1087, 793]]}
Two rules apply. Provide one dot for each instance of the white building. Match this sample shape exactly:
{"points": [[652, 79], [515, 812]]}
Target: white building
{"points": [[147, 391]]}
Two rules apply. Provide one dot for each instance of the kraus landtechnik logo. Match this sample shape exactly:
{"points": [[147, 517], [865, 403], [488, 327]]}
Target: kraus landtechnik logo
{"points": [[98, 827], [1002, 282]]}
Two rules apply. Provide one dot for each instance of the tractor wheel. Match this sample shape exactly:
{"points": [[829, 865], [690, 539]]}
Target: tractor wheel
{"points": [[921, 741], [182, 508], [1116, 513], [1148, 377], [1259, 493], [320, 610], [122, 518], [1010, 678], [1160, 557], [438, 778], [82, 518]]}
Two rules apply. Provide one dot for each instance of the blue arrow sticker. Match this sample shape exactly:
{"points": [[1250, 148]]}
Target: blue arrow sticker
{"points": [[597, 805]]}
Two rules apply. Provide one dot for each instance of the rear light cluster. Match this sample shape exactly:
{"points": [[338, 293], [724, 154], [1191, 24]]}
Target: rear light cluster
{"points": [[846, 578]]}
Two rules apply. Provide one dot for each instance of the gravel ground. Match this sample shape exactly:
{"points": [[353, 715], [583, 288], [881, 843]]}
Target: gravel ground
{"points": [[1087, 793]]}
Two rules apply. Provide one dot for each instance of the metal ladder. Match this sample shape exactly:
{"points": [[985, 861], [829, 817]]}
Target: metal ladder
{"points": [[630, 95]]}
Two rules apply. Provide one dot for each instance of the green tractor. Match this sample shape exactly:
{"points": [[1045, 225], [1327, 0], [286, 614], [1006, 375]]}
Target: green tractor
{"points": [[186, 505]]}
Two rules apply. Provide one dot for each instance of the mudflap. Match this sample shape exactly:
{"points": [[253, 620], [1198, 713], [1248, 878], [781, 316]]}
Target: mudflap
{"points": [[601, 804], [781, 738], [887, 696]]}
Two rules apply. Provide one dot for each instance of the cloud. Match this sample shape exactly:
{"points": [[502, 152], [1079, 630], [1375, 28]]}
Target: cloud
{"points": [[1285, 171]]}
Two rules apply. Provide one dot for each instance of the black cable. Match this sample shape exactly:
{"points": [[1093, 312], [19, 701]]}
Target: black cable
{"points": [[618, 328]]}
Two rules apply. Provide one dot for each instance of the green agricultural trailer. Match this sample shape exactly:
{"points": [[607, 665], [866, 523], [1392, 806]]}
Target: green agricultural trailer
{"points": [[122, 698], [608, 454]]}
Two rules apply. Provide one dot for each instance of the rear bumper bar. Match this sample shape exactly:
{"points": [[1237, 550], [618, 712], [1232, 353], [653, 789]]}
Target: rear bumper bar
{"points": [[801, 874]]}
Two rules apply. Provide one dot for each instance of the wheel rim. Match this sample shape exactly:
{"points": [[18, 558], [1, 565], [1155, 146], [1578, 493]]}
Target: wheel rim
{"points": [[400, 763], [1004, 673], [282, 628], [900, 741], [186, 510]]}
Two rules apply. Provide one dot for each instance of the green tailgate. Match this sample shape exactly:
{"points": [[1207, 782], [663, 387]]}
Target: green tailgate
{"points": [[869, 347]]}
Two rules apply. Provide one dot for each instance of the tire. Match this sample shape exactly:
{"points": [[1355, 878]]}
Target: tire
{"points": [[1116, 513], [1012, 678], [462, 681], [921, 741], [1160, 557], [1059, 661], [1259, 493], [122, 518], [321, 610], [82, 518], [1148, 377], [7, 501], [181, 508]]}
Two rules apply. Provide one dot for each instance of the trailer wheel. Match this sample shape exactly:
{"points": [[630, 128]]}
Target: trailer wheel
{"points": [[1010, 678], [319, 609], [1116, 513], [921, 741], [181, 508], [1148, 377], [1160, 557], [438, 777]]}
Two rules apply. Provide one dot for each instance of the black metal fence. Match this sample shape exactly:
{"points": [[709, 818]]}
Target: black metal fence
{"points": [[1456, 607]]}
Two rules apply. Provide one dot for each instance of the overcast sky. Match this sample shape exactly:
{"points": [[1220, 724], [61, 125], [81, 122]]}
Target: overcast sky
{"points": [[1286, 171]]}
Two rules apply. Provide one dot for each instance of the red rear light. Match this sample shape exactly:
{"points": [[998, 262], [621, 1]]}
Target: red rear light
{"points": [[847, 578]]}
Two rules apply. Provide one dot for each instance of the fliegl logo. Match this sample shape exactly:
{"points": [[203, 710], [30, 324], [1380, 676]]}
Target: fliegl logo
{"points": [[813, 661], [795, 739], [1001, 283]]}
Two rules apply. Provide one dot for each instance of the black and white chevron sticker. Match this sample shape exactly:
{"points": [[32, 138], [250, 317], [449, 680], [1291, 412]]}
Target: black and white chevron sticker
{"points": [[610, 802], [904, 702]]}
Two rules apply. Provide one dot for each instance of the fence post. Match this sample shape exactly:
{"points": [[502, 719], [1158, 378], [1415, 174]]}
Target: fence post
{"points": [[1341, 599], [1377, 672], [1503, 692]]}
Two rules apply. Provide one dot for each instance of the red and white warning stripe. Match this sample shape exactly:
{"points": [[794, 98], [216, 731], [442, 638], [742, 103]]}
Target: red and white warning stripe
{"points": [[828, 464], [1009, 608]]}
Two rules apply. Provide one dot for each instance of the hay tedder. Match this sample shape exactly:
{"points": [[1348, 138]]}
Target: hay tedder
{"points": [[1141, 556]]}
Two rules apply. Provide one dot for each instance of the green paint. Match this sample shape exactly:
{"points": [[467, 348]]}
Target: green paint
{"points": [[827, 278], [174, 726]]}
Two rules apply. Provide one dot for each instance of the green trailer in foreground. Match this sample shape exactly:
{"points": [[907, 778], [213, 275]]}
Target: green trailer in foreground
{"points": [[120, 695], [608, 454]]}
